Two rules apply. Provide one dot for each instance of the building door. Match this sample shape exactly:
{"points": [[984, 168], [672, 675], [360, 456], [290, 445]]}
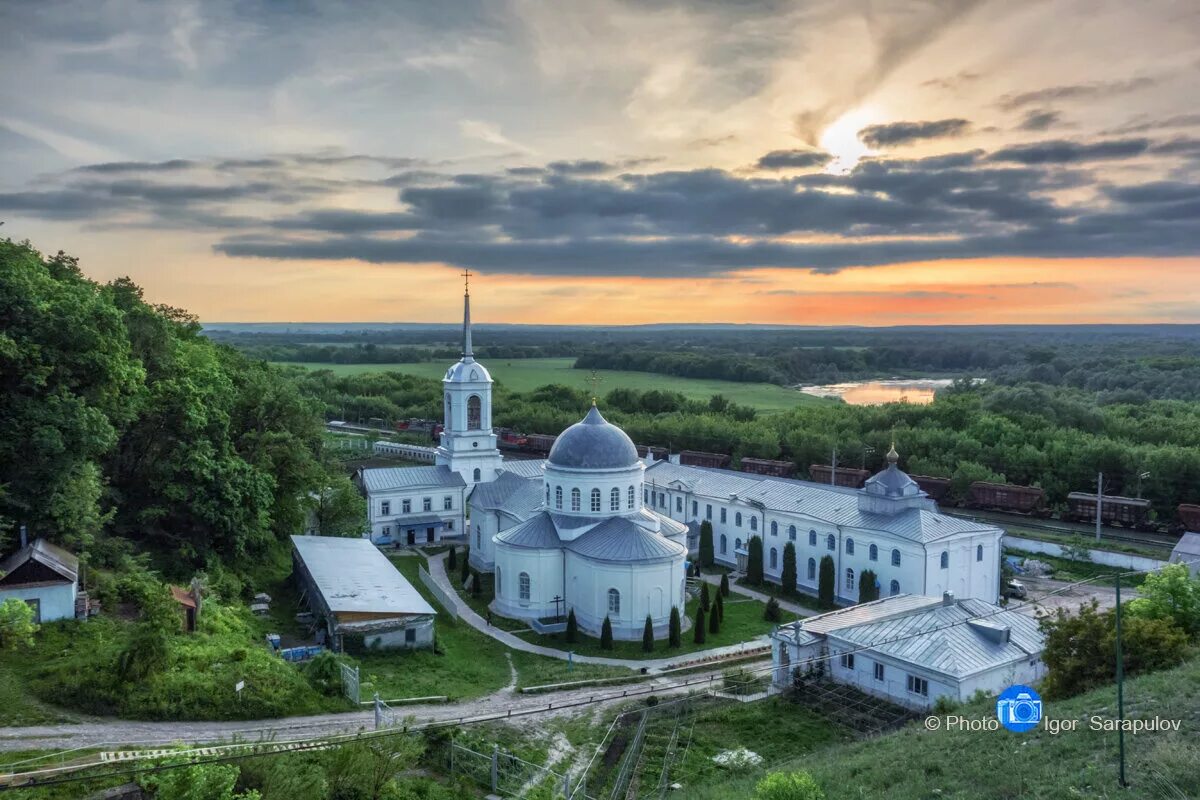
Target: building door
{"points": [[429, 534], [412, 536]]}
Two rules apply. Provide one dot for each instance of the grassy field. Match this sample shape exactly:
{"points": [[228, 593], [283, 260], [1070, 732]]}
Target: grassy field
{"points": [[915, 764], [523, 375]]}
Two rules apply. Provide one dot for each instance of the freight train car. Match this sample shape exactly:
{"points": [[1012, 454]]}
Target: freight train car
{"points": [[511, 440], [766, 466], [695, 458], [659, 453], [851, 478], [1189, 517], [934, 487], [1128, 512], [1007, 497], [539, 443]]}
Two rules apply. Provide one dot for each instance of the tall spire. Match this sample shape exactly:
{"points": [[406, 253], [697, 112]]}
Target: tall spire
{"points": [[467, 314]]}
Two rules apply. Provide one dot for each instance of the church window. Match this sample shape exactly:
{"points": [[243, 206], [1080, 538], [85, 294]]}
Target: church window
{"points": [[679, 505], [849, 547], [523, 586], [812, 569], [792, 532], [849, 580], [812, 538], [646, 496], [724, 544], [449, 409], [498, 582], [737, 545], [478, 537], [614, 499], [477, 475], [558, 497], [945, 560], [723, 516], [595, 500], [873, 553], [474, 413], [979, 552], [575, 499], [695, 509], [895, 558], [708, 511], [754, 523], [774, 528], [385, 508], [895, 588], [406, 506], [737, 520], [774, 558], [631, 496], [830, 544], [614, 602]]}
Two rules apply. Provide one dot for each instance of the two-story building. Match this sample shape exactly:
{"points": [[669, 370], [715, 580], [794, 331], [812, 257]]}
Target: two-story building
{"points": [[414, 505]]}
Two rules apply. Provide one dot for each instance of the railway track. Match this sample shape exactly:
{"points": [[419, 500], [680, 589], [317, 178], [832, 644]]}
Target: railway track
{"points": [[1165, 541]]}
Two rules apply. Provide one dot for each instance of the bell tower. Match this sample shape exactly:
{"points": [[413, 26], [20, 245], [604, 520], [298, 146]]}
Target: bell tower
{"points": [[468, 445]]}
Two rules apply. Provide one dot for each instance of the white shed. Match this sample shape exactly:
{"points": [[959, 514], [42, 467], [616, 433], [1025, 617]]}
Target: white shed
{"points": [[43, 575]]}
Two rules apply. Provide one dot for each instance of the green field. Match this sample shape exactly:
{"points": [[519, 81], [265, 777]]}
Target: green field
{"points": [[523, 375]]}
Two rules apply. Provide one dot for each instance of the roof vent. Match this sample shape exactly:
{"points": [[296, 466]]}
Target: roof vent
{"points": [[947, 598]]}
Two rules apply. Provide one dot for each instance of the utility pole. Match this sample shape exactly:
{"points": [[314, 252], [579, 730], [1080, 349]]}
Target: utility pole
{"points": [[1099, 501], [833, 472], [1120, 692], [1141, 476]]}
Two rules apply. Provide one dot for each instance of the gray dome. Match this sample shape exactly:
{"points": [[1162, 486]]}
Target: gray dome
{"points": [[593, 443]]}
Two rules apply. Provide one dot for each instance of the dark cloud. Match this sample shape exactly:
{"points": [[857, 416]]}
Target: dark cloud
{"points": [[582, 167], [899, 133], [953, 82], [1040, 120], [1061, 151], [794, 159], [1144, 125], [1076, 91], [120, 167]]}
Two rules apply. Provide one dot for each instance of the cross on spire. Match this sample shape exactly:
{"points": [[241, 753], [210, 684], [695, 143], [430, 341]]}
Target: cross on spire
{"points": [[466, 273], [594, 380]]}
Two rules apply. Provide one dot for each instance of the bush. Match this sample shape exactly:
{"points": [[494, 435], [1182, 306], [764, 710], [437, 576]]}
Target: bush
{"points": [[466, 565], [772, 613], [648, 636], [707, 555], [714, 622], [325, 674], [572, 634], [16, 624], [787, 577], [825, 586], [452, 559], [675, 635], [705, 599], [754, 561], [868, 586], [719, 608], [698, 629], [606, 639], [788, 786], [725, 584]]}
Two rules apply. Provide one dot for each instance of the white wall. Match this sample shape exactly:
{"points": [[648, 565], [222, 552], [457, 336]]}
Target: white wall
{"points": [[395, 518], [644, 589], [1106, 557], [56, 601], [544, 568]]}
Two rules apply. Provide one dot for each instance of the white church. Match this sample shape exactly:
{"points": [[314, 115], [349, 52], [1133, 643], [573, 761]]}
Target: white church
{"points": [[598, 530]]}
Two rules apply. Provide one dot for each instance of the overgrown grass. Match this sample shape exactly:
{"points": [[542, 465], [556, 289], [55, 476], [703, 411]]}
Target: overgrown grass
{"points": [[1065, 569], [915, 764]]}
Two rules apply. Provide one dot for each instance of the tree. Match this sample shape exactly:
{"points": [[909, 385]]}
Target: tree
{"points": [[714, 622], [648, 636], [868, 586], [199, 782], [698, 628], [825, 584], [452, 559], [707, 555], [719, 607], [339, 509], [725, 584], [16, 624], [476, 583], [705, 600], [674, 635], [788, 786], [572, 634], [772, 613], [466, 565], [1171, 593], [606, 636], [788, 575], [754, 561]]}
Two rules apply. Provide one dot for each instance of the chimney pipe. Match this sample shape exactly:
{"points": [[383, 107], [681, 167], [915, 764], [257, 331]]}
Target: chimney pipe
{"points": [[947, 598], [24, 536]]}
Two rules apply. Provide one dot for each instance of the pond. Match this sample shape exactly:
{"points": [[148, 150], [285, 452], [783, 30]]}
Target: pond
{"points": [[870, 393]]}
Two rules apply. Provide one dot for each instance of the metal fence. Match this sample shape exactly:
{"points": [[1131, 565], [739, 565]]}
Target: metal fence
{"points": [[350, 684], [448, 602], [505, 774]]}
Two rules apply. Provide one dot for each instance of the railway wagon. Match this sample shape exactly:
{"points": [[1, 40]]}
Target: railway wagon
{"points": [[1130, 512], [511, 440], [696, 458], [934, 487], [659, 453], [539, 443], [1189, 517], [766, 466], [851, 478], [1007, 497]]}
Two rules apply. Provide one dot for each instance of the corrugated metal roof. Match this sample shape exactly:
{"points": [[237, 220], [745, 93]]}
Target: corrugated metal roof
{"points": [[353, 576], [385, 478], [593, 443], [1187, 549], [514, 495], [836, 505], [49, 555], [537, 532], [525, 467], [941, 639], [873, 611], [621, 539]]}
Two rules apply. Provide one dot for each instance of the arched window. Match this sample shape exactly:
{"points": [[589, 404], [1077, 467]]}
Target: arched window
{"points": [[979, 552], [474, 413], [478, 537], [477, 475], [873, 553], [792, 532], [774, 528], [812, 569], [737, 545], [737, 520], [754, 523], [575, 497], [614, 499], [849, 547], [830, 543], [945, 560], [724, 544], [849, 580], [595, 499], [812, 538], [774, 558], [895, 588], [614, 602], [630, 500], [449, 409], [895, 558], [558, 497], [523, 586]]}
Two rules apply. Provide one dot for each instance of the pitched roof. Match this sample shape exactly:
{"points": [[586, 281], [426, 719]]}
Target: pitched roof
{"points": [[514, 495], [537, 532], [875, 610], [48, 555], [353, 576], [384, 478], [622, 539], [525, 467]]}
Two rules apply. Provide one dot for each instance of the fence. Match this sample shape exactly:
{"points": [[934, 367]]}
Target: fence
{"points": [[1106, 557], [505, 774], [448, 603], [350, 683]]}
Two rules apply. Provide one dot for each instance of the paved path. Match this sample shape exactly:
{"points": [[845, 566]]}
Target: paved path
{"points": [[787, 605], [437, 571]]}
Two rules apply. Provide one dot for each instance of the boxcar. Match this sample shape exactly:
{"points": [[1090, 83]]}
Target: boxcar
{"points": [[659, 453], [1129, 512], [766, 466], [1006, 497], [934, 487], [1189, 517], [696, 458], [539, 442], [852, 478]]}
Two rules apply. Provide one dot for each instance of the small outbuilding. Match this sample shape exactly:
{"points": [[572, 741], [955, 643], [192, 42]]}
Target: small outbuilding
{"points": [[354, 590], [1188, 552], [45, 576]]}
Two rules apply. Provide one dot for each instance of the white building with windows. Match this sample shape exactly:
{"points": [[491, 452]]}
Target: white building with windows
{"points": [[912, 650], [889, 527]]}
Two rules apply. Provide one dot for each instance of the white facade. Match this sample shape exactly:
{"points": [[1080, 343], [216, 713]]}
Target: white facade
{"points": [[414, 505]]}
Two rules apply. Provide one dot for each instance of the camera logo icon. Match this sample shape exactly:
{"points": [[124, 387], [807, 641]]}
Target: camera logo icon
{"points": [[1019, 708]]}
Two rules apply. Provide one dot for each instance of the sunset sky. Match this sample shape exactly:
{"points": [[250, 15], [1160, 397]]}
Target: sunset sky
{"points": [[811, 163]]}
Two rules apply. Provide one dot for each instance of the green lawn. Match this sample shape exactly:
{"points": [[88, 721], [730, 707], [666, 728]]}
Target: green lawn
{"points": [[1065, 569], [526, 374]]}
